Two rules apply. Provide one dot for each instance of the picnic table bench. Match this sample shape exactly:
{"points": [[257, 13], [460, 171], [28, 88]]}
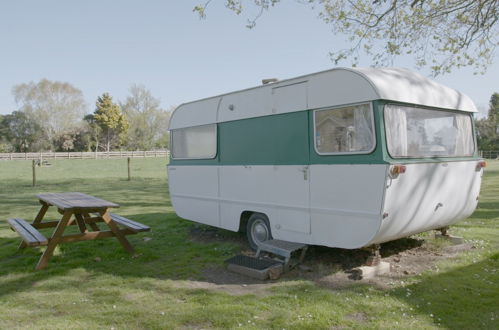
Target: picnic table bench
{"points": [[77, 209]]}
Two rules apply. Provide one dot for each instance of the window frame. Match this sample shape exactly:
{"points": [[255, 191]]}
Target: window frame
{"points": [[468, 114], [172, 148], [373, 125]]}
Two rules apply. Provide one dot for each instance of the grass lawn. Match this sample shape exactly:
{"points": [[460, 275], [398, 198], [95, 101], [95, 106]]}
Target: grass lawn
{"points": [[96, 284]]}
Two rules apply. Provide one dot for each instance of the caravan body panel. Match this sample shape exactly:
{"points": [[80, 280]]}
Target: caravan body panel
{"points": [[429, 196], [267, 159]]}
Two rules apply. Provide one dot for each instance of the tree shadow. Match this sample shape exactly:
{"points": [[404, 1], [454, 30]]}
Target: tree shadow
{"points": [[174, 249], [462, 298], [171, 253]]}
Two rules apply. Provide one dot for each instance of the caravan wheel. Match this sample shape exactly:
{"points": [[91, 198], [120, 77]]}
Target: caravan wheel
{"points": [[258, 230]]}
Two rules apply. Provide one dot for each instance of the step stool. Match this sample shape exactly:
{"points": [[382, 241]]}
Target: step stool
{"points": [[282, 249], [263, 268]]}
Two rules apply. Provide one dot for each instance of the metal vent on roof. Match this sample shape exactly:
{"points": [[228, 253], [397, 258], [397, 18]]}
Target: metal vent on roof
{"points": [[269, 80]]}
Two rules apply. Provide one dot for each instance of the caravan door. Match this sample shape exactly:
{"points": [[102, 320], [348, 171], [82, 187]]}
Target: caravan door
{"points": [[292, 177]]}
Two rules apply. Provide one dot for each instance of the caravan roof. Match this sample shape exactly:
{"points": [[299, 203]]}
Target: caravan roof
{"points": [[318, 90]]}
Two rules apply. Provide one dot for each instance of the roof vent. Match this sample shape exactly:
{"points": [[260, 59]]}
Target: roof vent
{"points": [[269, 81]]}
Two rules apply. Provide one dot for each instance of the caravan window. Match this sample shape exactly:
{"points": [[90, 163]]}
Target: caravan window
{"points": [[416, 132], [344, 130], [199, 142]]}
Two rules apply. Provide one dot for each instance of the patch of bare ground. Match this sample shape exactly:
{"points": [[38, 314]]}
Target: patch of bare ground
{"points": [[328, 267], [206, 234]]}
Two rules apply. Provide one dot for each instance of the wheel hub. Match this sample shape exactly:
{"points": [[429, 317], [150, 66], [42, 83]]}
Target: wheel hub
{"points": [[259, 231]]}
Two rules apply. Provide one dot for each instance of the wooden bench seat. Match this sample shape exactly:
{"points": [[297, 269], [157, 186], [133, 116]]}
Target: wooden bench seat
{"points": [[130, 224], [30, 235]]}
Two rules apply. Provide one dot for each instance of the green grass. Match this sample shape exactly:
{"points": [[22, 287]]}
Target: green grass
{"points": [[154, 290]]}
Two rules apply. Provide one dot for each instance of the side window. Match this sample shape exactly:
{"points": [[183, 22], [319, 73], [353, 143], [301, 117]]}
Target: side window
{"points": [[199, 142], [344, 130]]}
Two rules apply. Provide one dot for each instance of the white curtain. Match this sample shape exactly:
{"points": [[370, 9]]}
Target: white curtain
{"points": [[363, 132], [195, 142], [464, 139], [396, 130]]}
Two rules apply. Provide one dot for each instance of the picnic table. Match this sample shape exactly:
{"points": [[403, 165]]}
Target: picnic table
{"points": [[79, 209]]}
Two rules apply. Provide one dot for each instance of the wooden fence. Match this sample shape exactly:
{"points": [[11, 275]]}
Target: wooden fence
{"points": [[489, 154], [83, 155]]}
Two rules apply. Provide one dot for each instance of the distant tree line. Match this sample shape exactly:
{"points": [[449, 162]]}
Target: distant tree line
{"points": [[52, 116], [488, 128]]}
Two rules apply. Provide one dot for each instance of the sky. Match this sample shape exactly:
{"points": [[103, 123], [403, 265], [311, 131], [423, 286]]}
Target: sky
{"points": [[106, 46]]}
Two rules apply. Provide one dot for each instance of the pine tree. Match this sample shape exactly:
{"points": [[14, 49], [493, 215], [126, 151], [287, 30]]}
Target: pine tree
{"points": [[111, 120]]}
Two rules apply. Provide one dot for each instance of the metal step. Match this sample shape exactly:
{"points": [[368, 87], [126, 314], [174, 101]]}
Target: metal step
{"points": [[283, 249]]}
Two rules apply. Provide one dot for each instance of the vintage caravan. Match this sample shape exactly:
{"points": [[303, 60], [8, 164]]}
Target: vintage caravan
{"points": [[341, 158]]}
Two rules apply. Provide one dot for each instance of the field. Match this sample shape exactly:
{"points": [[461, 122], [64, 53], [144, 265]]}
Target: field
{"points": [[177, 279]]}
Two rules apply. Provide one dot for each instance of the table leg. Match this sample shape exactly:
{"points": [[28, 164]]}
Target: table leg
{"points": [[54, 240], [114, 228], [92, 225], [81, 223], [37, 220]]}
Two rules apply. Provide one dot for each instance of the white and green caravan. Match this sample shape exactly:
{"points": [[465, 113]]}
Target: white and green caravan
{"points": [[342, 158]]}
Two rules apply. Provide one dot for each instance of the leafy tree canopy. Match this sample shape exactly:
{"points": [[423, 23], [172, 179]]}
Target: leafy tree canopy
{"points": [[494, 107], [111, 120], [55, 106], [440, 34], [22, 132], [148, 122], [488, 128]]}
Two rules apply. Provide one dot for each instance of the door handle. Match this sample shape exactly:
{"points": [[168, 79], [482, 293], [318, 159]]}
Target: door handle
{"points": [[305, 172]]}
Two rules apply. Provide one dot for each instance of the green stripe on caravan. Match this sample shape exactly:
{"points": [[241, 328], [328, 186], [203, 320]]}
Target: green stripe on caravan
{"points": [[288, 139], [284, 139]]}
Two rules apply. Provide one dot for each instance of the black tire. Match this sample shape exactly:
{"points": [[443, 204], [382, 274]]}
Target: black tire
{"points": [[258, 229]]}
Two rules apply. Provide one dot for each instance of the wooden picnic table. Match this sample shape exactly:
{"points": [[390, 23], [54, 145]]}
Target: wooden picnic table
{"points": [[79, 209]]}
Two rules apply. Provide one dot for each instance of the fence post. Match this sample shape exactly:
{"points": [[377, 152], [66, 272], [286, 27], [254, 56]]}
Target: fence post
{"points": [[33, 165], [129, 173]]}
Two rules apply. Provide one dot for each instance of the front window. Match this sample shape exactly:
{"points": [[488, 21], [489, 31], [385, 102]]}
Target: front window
{"points": [[344, 130], [198, 142], [415, 132]]}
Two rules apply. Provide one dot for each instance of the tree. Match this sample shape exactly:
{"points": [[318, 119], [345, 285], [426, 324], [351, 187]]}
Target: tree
{"points": [[148, 122], [440, 34], [76, 139], [5, 145], [93, 133], [111, 120], [488, 129], [55, 106], [22, 132], [494, 108]]}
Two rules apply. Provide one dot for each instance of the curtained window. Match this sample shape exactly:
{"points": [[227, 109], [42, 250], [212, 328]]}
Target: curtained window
{"points": [[416, 132], [344, 130], [199, 142]]}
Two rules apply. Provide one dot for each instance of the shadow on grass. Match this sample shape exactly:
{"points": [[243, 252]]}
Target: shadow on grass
{"points": [[170, 253], [164, 253], [174, 249], [463, 298]]}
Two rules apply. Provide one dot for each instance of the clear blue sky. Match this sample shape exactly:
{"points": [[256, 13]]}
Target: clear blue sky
{"points": [[105, 46]]}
